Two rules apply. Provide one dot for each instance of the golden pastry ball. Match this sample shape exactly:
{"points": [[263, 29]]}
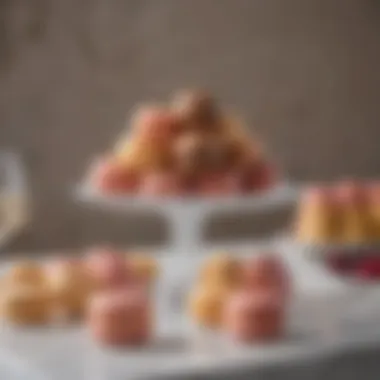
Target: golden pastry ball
{"points": [[220, 270], [220, 153], [206, 305], [155, 124], [234, 128], [196, 109], [26, 273], [142, 157], [189, 152], [247, 148], [27, 305], [110, 176]]}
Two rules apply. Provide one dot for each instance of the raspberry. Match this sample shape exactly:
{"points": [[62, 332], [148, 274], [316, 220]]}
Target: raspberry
{"points": [[369, 268]]}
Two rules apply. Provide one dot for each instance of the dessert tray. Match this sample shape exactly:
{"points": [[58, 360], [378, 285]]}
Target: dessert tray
{"points": [[186, 215], [181, 350]]}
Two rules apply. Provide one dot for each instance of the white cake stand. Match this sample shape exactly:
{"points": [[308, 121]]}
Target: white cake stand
{"points": [[187, 216]]}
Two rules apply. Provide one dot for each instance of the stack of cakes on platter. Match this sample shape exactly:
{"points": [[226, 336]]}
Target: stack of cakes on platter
{"points": [[345, 213], [190, 146]]}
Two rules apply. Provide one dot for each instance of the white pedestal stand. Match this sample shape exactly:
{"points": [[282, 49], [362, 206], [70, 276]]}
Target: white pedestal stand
{"points": [[186, 216]]}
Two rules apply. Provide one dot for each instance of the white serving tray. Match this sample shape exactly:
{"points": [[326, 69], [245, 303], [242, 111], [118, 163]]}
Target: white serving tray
{"points": [[187, 216], [67, 352], [280, 194]]}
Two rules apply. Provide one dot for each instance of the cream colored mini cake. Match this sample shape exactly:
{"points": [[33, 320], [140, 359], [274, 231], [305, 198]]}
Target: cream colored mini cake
{"points": [[250, 317], [318, 219], [219, 275], [26, 273], [266, 272], [374, 200], [357, 226], [120, 317], [220, 270], [206, 305], [70, 286], [27, 305]]}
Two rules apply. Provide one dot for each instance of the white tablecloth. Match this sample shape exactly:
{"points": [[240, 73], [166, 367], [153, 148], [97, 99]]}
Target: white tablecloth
{"points": [[319, 344]]}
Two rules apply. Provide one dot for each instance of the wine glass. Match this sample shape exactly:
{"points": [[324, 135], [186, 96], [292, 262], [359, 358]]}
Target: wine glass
{"points": [[13, 196]]}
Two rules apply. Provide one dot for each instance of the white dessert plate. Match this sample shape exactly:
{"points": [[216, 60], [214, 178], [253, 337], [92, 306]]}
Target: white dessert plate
{"points": [[179, 351], [283, 193]]}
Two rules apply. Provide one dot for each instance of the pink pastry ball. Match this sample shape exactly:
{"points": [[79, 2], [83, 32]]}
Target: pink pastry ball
{"points": [[261, 175], [69, 285], [155, 125], [57, 265], [318, 195], [266, 272], [350, 193], [162, 184], [373, 192], [107, 268], [120, 317], [109, 176], [219, 184], [250, 317]]}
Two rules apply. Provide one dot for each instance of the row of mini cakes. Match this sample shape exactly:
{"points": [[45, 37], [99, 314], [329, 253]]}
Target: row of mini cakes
{"points": [[346, 212], [34, 293], [189, 146], [245, 299]]}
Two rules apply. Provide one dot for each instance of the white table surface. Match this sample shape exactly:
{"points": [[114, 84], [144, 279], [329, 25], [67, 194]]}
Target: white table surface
{"points": [[316, 336]]}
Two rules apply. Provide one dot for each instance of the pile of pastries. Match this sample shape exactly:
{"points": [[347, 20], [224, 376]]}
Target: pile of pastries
{"points": [[346, 212], [245, 299], [190, 146], [106, 288]]}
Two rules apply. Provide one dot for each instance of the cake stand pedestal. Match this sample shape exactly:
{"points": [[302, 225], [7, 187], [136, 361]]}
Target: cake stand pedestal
{"points": [[187, 216]]}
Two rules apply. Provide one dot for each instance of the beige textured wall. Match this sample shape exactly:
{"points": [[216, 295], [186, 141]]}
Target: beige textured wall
{"points": [[304, 72]]}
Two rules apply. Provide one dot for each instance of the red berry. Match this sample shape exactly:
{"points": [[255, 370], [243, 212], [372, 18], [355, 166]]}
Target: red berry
{"points": [[369, 268], [340, 263]]}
